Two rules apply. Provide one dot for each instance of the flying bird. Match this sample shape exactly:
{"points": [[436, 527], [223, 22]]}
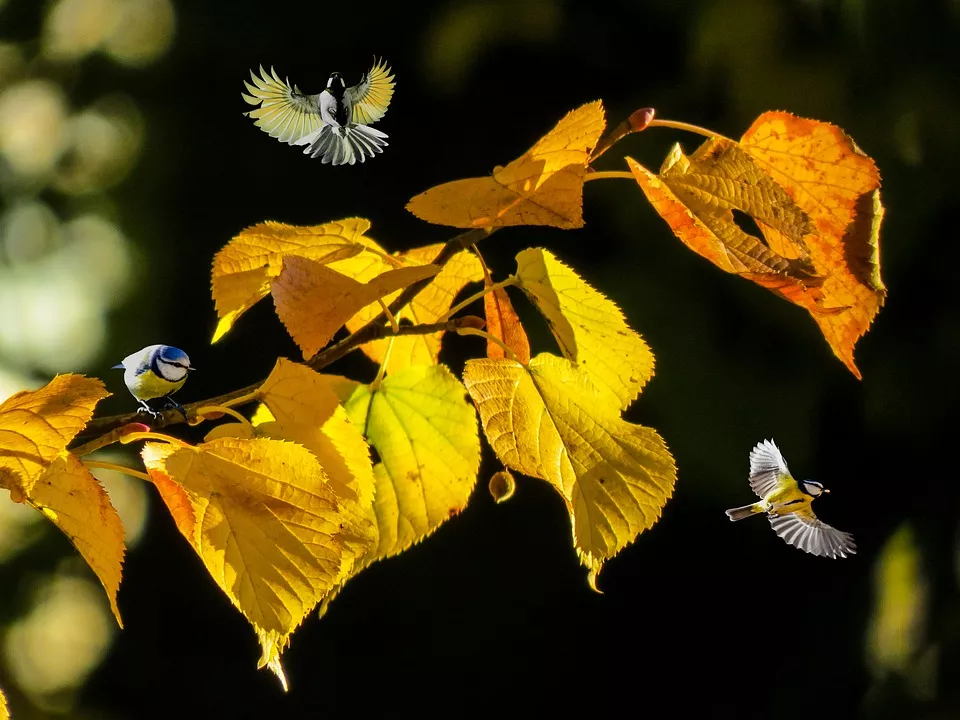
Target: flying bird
{"points": [[334, 125], [155, 371], [787, 504]]}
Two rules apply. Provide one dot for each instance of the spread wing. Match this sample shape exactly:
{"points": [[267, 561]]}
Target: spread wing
{"points": [[803, 530], [371, 96], [285, 113], [767, 468]]}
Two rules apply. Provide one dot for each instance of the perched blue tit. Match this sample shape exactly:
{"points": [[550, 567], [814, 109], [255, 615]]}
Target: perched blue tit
{"points": [[157, 371], [334, 125], [787, 504]]}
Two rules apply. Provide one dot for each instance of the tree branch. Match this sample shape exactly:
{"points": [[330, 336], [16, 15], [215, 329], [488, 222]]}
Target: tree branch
{"points": [[373, 330]]}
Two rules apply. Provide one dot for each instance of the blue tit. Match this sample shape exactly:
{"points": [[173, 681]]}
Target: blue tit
{"points": [[156, 371], [333, 125], [787, 504]]}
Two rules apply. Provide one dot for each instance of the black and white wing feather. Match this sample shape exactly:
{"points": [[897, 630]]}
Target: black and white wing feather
{"points": [[346, 145], [285, 113], [803, 530], [371, 96], [767, 468]]}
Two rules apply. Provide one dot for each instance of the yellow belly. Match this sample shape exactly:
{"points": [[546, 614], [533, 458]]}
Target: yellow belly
{"points": [[150, 385], [787, 499]]}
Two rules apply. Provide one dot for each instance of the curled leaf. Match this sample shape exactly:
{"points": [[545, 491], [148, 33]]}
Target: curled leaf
{"points": [[504, 323], [542, 187]]}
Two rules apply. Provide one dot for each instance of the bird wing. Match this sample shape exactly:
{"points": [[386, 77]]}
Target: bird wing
{"points": [[767, 468], [371, 96], [802, 529], [285, 113]]}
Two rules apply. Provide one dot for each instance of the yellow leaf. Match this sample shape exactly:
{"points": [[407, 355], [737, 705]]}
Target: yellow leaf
{"points": [[589, 328], [425, 433], [304, 409], [314, 301], [244, 268], [504, 324], [73, 500], [4, 712], [229, 430], [37, 425], [831, 180], [264, 525], [502, 486], [427, 307], [548, 420], [542, 187]]}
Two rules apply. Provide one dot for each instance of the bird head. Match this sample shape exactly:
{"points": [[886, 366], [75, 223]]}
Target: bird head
{"points": [[335, 82], [812, 487], [172, 363]]}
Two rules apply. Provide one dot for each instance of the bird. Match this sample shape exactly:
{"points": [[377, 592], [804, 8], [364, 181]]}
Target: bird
{"points": [[334, 125], [787, 504], [153, 372]]}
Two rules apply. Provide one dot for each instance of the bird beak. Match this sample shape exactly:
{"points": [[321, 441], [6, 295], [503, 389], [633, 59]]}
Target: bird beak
{"points": [[118, 367], [191, 369], [827, 490]]}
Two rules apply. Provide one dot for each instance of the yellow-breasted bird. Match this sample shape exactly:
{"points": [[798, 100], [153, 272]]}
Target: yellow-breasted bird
{"points": [[334, 124], [787, 504], [156, 371]]}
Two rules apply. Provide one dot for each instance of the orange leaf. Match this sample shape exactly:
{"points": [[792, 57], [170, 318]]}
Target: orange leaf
{"points": [[314, 301], [542, 187], [504, 324], [831, 179], [428, 306], [243, 269]]}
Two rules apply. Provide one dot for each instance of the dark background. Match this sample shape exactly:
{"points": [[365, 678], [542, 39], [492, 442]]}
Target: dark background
{"points": [[492, 615]]}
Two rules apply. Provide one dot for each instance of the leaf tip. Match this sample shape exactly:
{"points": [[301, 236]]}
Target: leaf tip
{"points": [[592, 577]]}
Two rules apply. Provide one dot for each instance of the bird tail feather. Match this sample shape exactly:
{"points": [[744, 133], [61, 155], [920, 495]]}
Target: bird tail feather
{"points": [[346, 145], [739, 513]]}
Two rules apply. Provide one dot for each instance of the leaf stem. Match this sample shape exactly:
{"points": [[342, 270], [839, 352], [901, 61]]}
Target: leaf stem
{"points": [[491, 338], [207, 409], [677, 125], [512, 280], [117, 468], [160, 437], [607, 174]]}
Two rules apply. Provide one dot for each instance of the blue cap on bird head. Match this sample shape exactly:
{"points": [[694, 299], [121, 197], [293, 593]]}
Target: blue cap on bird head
{"points": [[175, 356], [335, 77]]}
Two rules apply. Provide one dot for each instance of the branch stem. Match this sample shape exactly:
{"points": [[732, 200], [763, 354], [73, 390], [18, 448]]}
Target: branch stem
{"points": [[512, 280], [117, 468]]}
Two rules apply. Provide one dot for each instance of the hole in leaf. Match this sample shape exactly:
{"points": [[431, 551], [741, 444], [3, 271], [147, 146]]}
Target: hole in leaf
{"points": [[748, 225]]}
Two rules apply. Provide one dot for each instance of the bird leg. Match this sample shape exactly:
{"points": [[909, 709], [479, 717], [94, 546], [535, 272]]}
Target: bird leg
{"points": [[176, 405], [146, 409]]}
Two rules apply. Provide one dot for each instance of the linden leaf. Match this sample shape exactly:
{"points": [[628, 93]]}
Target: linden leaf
{"points": [[263, 521], [37, 425], [830, 179], [588, 327], [314, 301], [425, 433], [697, 195], [244, 268], [542, 187], [303, 408], [4, 712], [548, 420], [427, 307], [73, 500], [504, 324]]}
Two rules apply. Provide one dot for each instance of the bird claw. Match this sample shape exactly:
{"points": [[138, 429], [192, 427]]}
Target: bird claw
{"points": [[171, 403], [147, 410]]}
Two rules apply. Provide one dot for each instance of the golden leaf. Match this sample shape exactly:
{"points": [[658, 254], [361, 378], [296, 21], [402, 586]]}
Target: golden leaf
{"points": [[425, 433], [35, 428], [37, 425], [588, 327], [304, 409], [427, 307], [542, 187], [264, 523], [548, 420], [502, 486], [837, 185], [314, 301], [504, 323], [4, 712], [244, 268]]}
